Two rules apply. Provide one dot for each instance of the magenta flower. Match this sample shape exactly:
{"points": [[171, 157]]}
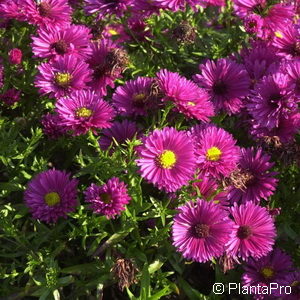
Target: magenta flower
{"points": [[215, 150], [173, 5], [293, 280], [271, 268], [187, 96], [135, 97], [62, 76], [254, 180], [50, 195], [84, 110], [271, 99], [200, 230], [52, 126], [254, 231], [15, 56], [107, 7], [109, 199], [292, 69], [119, 132], [13, 9], [167, 159], [107, 62], [72, 40], [50, 13], [226, 82]]}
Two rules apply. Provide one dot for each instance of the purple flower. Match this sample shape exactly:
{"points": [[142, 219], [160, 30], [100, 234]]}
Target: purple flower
{"points": [[50, 195], [187, 96], [292, 69], [215, 150], [167, 159], [271, 99], [293, 280], [200, 230], [226, 82], [119, 132], [52, 126], [107, 62], [109, 199], [254, 231], [268, 269], [72, 40], [10, 97], [173, 5], [253, 181], [62, 76], [135, 97], [50, 13], [84, 110]]}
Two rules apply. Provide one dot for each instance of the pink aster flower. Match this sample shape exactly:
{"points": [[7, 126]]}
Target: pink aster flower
{"points": [[107, 7], [62, 76], [200, 230], [253, 180], [287, 41], [271, 99], [173, 5], [107, 62], [72, 40], [109, 199], [84, 110], [271, 268], [50, 195], [254, 231], [52, 126], [135, 97], [215, 149], [206, 3], [50, 13], [119, 132], [226, 82], [13, 9], [187, 96], [167, 159], [15, 56], [11, 96], [292, 69]]}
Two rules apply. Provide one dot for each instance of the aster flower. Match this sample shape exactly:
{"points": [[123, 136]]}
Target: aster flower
{"points": [[135, 97], [200, 230], [143, 8], [215, 150], [15, 56], [293, 280], [254, 231], [62, 76], [173, 5], [208, 188], [107, 62], [119, 131], [253, 180], [52, 126], [13, 9], [107, 7], [187, 96], [268, 269], [292, 69], [50, 195], [271, 99], [287, 41], [50, 13], [285, 131], [11, 96], [253, 24], [226, 82], [109, 199], [84, 110], [167, 159], [207, 3], [71, 40]]}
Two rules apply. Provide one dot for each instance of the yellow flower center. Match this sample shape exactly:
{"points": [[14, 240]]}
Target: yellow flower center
{"points": [[52, 198], [213, 154], [167, 159], [63, 79], [112, 32], [139, 97], [105, 197], [83, 112], [191, 103], [279, 34], [267, 272], [295, 283]]}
